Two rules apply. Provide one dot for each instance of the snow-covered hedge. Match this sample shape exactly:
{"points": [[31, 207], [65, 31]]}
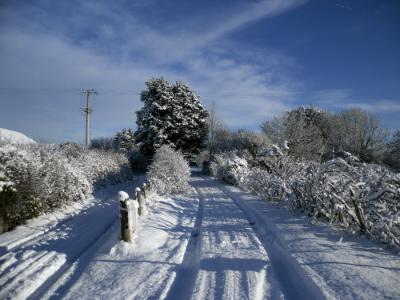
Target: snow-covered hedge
{"points": [[169, 173], [36, 179], [360, 197]]}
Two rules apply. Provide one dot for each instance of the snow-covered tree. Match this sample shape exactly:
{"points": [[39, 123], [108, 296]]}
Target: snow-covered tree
{"points": [[306, 130], [359, 132], [392, 153], [125, 140], [172, 115]]}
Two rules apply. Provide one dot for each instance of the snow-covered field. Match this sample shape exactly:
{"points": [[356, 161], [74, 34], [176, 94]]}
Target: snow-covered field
{"points": [[215, 243]]}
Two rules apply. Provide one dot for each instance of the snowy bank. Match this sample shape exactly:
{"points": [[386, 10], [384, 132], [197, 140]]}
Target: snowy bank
{"points": [[14, 137]]}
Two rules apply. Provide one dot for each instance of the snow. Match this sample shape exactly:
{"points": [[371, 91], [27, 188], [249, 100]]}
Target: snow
{"points": [[34, 255], [216, 242], [344, 266], [14, 137]]}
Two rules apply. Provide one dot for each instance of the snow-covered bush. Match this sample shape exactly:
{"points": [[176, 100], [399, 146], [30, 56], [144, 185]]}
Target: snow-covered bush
{"points": [[71, 149], [18, 175], [60, 182], [359, 197], [36, 179], [362, 198], [103, 167], [229, 167], [169, 173]]}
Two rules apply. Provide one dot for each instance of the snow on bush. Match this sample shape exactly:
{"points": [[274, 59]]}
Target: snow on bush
{"points": [[17, 196], [169, 173], [102, 167], [37, 179], [360, 197], [229, 167]]}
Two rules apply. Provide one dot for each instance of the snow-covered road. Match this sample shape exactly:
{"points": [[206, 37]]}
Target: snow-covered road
{"points": [[218, 242]]}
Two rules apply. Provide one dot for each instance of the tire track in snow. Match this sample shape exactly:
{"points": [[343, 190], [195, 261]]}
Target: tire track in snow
{"points": [[234, 263], [186, 273], [19, 244], [294, 281], [224, 270], [60, 281]]}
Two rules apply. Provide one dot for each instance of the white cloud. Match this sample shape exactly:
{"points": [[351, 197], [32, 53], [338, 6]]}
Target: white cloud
{"points": [[43, 61], [339, 99]]}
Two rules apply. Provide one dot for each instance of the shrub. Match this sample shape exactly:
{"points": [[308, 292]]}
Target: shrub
{"points": [[359, 197], [36, 179], [229, 167], [18, 199], [103, 143], [103, 167], [169, 173]]}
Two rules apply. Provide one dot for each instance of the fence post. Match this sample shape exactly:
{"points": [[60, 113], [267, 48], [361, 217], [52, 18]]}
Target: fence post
{"points": [[139, 199], [127, 216], [144, 190]]}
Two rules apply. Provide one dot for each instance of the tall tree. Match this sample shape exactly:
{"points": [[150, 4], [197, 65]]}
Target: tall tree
{"points": [[171, 115], [214, 125], [306, 130], [359, 132]]}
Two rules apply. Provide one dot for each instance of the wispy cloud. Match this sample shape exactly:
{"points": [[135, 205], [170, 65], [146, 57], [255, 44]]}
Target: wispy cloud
{"points": [[339, 99], [107, 47]]}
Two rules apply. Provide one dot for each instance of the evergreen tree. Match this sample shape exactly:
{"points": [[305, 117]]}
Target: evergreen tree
{"points": [[171, 115]]}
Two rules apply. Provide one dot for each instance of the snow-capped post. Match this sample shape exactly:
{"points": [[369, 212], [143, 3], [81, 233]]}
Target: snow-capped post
{"points": [[139, 198], [128, 216], [144, 190]]}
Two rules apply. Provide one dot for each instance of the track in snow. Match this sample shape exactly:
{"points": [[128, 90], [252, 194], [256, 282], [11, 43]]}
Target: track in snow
{"points": [[224, 257], [186, 273], [209, 269], [293, 280]]}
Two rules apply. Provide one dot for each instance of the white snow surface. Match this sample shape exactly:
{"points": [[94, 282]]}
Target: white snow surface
{"points": [[14, 137], [217, 242]]}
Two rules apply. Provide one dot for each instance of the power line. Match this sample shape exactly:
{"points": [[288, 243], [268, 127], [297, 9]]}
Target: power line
{"points": [[55, 91]]}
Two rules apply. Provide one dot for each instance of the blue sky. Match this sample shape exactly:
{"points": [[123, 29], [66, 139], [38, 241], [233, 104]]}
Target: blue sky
{"points": [[254, 59]]}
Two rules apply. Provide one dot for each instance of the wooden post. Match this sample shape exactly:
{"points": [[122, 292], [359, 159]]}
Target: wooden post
{"points": [[123, 213], [127, 216], [139, 199]]}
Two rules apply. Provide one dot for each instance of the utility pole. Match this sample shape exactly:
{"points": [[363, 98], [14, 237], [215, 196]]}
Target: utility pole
{"points": [[88, 111]]}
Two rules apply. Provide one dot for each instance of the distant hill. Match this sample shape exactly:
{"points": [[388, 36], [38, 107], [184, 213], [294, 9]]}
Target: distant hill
{"points": [[14, 137]]}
